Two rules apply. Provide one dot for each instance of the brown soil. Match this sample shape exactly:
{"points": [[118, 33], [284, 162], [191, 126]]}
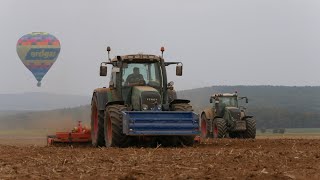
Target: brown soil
{"points": [[218, 159]]}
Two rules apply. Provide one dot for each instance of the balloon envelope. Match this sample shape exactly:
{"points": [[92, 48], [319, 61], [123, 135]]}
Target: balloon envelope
{"points": [[38, 51]]}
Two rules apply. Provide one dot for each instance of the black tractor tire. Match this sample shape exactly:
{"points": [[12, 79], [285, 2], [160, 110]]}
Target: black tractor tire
{"points": [[219, 128], [169, 141], [113, 124], [250, 132], [235, 135], [205, 127], [184, 140], [97, 124]]}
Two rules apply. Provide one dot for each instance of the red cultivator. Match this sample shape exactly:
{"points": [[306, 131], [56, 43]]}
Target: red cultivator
{"points": [[197, 139], [79, 134]]}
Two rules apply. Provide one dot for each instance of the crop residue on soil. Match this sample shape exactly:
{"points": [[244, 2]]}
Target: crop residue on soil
{"points": [[220, 159]]}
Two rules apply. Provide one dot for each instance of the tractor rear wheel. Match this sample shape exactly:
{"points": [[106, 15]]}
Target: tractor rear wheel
{"points": [[97, 121], [251, 129], [113, 125], [205, 133], [219, 128], [184, 140]]}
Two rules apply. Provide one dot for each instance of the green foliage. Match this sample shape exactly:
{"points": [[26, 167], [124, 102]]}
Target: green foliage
{"points": [[271, 106]]}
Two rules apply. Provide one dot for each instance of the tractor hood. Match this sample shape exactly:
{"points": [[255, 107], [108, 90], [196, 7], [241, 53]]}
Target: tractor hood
{"points": [[145, 98], [235, 112]]}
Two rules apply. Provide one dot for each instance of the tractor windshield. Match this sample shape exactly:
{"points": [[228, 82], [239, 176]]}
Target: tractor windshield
{"points": [[145, 73], [229, 101]]}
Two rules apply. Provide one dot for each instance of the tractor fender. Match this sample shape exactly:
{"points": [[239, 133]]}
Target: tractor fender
{"points": [[177, 101], [209, 112], [104, 96], [245, 117], [114, 102]]}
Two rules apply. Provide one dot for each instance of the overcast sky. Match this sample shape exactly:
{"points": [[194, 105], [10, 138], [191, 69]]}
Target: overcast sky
{"points": [[229, 42]]}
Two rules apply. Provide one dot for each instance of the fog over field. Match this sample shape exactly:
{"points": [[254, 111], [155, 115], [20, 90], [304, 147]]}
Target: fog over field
{"points": [[232, 42], [272, 107]]}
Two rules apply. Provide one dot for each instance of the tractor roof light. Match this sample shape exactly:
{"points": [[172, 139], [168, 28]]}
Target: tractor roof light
{"points": [[109, 49], [162, 50]]}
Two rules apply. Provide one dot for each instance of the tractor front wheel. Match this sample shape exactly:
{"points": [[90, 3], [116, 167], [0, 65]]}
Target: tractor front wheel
{"points": [[184, 140], [219, 128], [97, 121], [113, 126], [251, 129]]}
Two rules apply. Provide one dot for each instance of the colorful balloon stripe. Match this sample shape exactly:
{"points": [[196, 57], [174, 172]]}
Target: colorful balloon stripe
{"points": [[33, 66], [38, 62]]}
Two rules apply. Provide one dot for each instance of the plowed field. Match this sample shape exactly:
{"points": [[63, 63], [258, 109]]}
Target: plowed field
{"points": [[218, 159]]}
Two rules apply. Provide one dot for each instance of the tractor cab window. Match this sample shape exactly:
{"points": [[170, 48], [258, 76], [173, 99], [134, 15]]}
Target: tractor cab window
{"points": [[142, 74], [229, 101]]}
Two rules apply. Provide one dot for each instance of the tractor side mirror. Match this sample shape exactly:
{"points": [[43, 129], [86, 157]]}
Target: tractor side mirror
{"points": [[103, 70], [244, 98], [179, 70], [211, 101]]}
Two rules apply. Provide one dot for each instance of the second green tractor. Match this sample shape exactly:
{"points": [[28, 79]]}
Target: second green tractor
{"points": [[225, 118]]}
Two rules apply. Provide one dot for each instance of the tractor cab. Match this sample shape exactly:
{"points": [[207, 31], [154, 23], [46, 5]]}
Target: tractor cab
{"points": [[140, 80], [142, 83], [226, 105], [226, 99]]}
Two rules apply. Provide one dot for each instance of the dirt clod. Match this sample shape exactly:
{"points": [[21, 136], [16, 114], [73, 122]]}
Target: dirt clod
{"points": [[241, 159]]}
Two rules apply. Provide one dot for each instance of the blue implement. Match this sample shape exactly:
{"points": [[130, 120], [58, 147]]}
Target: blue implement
{"points": [[154, 123]]}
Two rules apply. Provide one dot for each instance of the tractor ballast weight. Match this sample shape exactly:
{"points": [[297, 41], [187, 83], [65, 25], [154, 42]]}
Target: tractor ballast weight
{"points": [[140, 103], [160, 123]]}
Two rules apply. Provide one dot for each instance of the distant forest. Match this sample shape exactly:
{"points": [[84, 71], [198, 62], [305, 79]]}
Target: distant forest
{"points": [[272, 107]]}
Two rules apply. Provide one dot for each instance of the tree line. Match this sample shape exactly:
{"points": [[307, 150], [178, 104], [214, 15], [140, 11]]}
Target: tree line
{"points": [[272, 106]]}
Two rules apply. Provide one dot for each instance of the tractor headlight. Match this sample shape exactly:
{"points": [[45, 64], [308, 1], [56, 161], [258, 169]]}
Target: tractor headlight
{"points": [[144, 107]]}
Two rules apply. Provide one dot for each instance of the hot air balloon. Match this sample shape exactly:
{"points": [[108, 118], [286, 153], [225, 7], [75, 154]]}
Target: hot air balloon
{"points": [[38, 51]]}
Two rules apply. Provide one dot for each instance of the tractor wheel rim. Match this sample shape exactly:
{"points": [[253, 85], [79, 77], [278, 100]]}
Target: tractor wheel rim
{"points": [[95, 123], [203, 128], [109, 130], [215, 130]]}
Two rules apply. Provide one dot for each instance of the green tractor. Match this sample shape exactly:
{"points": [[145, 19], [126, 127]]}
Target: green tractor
{"points": [[227, 119], [140, 105]]}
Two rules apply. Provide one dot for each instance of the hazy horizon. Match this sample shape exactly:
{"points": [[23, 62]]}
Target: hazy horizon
{"points": [[61, 93], [219, 42], [198, 96]]}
